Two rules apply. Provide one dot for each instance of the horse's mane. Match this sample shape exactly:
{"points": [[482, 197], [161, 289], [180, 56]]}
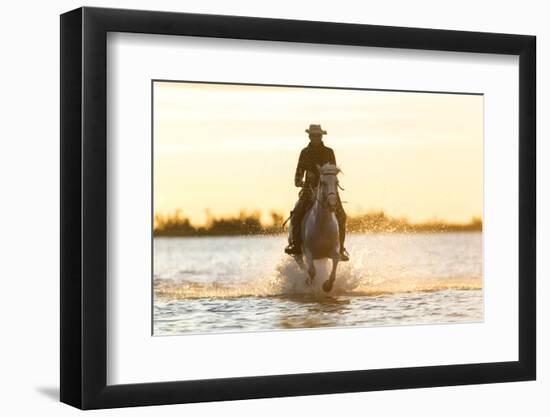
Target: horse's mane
{"points": [[329, 169]]}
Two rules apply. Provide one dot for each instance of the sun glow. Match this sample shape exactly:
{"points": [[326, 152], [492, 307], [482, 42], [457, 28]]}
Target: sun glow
{"points": [[220, 149]]}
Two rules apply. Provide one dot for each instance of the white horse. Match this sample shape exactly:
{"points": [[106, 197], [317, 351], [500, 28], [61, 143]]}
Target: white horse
{"points": [[319, 228]]}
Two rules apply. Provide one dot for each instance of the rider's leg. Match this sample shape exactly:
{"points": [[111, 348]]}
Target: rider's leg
{"points": [[296, 220], [341, 218], [297, 215]]}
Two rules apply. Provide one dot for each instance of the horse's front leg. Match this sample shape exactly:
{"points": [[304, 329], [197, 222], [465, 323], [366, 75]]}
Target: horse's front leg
{"points": [[327, 285], [310, 267], [300, 261]]}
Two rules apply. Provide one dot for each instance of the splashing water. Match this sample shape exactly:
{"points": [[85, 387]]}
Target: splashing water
{"points": [[290, 280], [249, 279]]}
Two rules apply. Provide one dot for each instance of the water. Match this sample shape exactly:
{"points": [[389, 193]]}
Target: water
{"points": [[224, 284]]}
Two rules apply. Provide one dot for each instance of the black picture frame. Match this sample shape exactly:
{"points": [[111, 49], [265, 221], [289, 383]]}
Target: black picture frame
{"points": [[84, 207]]}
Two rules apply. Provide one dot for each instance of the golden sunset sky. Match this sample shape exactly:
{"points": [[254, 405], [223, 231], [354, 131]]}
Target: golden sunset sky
{"points": [[230, 147]]}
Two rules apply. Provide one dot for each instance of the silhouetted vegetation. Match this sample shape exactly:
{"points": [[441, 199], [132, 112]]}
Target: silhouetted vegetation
{"points": [[250, 224], [378, 222]]}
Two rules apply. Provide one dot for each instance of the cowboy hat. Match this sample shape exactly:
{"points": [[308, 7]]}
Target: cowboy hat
{"points": [[316, 129]]}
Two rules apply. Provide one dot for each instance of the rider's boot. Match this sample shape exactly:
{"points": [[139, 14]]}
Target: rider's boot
{"points": [[293, 250], [344, 255]]}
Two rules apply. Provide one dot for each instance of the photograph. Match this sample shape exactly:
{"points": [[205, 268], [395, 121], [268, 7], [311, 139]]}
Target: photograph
{"points": [[279, 207]]}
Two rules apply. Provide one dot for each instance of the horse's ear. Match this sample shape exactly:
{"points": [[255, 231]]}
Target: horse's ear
{"points": [[318, 167]]}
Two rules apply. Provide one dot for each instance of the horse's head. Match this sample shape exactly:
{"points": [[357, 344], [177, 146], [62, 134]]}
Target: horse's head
{"points": [[327, 192]]}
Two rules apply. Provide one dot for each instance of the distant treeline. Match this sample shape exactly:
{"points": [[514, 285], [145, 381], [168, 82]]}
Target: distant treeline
{"points": [[250, 224]]}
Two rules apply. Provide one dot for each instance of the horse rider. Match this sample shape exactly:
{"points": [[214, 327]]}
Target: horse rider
{"points": [[316, 153]]}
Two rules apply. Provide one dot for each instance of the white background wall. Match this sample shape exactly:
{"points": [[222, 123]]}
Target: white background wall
{"points": [[29, 178]]}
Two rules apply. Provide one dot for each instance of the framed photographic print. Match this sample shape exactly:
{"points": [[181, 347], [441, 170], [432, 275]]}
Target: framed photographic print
{"points": [[256, 207]]}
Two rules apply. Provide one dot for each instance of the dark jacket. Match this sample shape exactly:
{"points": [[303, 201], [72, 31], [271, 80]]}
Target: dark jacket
{"points": [[310, 157]]}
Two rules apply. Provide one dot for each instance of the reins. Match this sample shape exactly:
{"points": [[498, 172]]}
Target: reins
{"points": [[316, 194], [324, 202]]}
